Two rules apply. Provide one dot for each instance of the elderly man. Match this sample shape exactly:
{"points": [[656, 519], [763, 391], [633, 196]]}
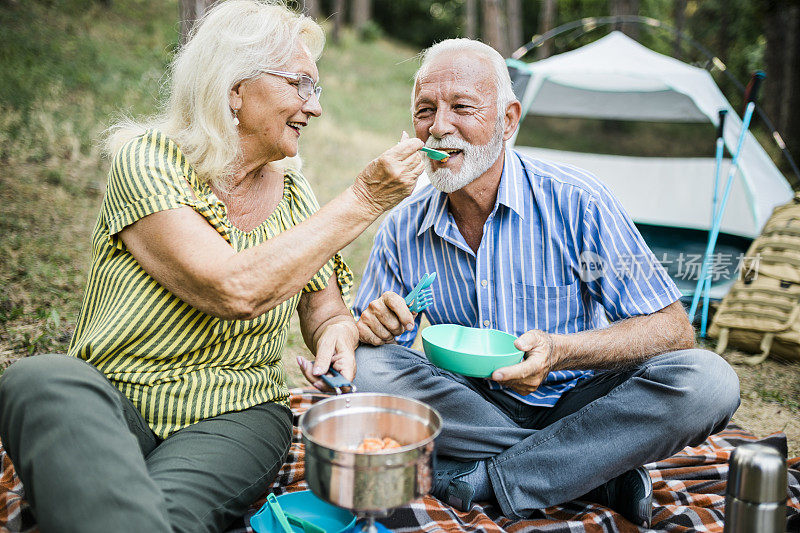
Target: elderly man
{"points": [[510, 238]]}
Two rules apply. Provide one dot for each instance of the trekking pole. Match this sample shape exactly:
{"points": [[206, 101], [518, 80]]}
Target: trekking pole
{"points": [[717, 167], [755, 83]]}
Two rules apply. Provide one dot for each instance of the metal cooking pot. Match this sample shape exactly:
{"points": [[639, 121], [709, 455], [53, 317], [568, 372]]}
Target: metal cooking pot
{"points": [[369, 482]]}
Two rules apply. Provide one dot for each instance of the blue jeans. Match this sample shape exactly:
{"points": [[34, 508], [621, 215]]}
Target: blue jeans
{"points": [[543, 456]]}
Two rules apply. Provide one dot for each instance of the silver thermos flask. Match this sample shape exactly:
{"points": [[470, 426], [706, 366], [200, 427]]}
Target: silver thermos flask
{"points": [[755, 498]]}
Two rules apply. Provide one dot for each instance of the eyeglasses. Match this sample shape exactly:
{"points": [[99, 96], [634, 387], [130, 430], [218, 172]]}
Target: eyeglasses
{"points": [[305, 85]]}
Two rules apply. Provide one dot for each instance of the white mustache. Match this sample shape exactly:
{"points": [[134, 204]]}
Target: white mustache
{"points": [[452, 143]]}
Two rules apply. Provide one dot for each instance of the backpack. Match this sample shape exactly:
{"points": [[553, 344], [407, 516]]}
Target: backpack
{"points": [[761, 313]]}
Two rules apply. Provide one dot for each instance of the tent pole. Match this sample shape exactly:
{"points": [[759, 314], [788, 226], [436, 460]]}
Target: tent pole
{"points": [[718, 165], [712, 238]]}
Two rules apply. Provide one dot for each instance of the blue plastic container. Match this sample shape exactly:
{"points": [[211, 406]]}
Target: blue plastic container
{"points": [[305, 505]]}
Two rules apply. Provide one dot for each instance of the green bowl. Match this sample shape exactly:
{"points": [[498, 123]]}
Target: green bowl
{"points": [[473, 352]]}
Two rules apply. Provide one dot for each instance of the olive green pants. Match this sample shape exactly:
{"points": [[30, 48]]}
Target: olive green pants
{"points": [[89, 462]]}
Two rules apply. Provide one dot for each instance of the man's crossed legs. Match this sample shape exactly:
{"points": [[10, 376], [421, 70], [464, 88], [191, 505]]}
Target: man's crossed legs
{"points": [[608, 424]]}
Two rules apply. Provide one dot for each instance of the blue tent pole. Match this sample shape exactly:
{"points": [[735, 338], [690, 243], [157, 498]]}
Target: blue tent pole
{"points": [[717, 168], [712, 238]]}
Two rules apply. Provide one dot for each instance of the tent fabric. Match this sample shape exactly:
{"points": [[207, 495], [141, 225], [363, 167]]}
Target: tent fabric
{"points": [[558, 100], [617, 78], [663, 191]]}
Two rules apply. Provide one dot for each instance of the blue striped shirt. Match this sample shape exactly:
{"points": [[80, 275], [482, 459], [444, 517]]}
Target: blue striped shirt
{"points": [[558, 254]]}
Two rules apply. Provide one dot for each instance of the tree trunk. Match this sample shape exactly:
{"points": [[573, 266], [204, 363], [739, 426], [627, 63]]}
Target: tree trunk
{"points": [[362, 13], [547, 21], [191, 11], [515, 37], [792, 108], [625, 7], [338, 19], [776, 56], [471, 16], [491, 24], [311, 9], [725, 38], [680, 24], [781, 100], [503, 45]]}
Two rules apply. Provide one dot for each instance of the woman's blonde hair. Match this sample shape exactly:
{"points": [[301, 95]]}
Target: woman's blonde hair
{"points": [[232, 42]]}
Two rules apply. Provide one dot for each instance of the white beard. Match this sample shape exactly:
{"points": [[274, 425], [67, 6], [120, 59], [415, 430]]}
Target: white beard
{"points": [[477, 159]]}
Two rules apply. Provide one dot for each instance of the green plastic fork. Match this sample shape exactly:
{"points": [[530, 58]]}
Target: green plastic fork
{"points": [[421, 296]]}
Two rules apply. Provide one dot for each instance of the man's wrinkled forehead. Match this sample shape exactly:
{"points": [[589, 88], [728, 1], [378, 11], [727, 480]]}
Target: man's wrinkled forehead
{"points": [[457, 73]]}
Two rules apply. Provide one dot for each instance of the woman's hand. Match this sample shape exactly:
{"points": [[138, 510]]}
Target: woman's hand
{"points": [[336, 347], [391, 177]]}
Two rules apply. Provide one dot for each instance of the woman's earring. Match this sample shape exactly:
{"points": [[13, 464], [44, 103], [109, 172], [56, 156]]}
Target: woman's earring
{"points": [[235, 117]]}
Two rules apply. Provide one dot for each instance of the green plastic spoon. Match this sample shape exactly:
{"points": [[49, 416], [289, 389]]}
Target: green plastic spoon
{"points": [[436, 155], [279, 514]]}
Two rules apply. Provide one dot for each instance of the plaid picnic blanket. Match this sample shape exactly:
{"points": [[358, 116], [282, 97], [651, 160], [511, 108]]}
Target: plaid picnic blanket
{"points": [[689, 494]]}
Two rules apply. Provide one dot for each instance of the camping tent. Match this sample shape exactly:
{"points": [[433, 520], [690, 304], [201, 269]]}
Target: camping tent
{"points": [[669, 198]]}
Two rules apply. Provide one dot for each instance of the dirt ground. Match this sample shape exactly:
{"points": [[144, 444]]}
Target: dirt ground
{"points": [[770, 398]]}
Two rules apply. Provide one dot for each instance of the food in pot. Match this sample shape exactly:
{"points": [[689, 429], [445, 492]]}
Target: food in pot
{"points": [[371, 444]]}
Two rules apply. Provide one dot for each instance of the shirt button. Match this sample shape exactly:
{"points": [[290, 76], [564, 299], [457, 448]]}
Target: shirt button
{"points": [[486, 323], [484, 283]]}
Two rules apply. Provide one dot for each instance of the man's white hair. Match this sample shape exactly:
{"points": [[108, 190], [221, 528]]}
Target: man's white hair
{"points": [[233, 42], [505, 94]]}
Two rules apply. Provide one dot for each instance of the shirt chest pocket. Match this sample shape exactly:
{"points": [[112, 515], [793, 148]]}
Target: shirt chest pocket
{"points": [[552, 308]]}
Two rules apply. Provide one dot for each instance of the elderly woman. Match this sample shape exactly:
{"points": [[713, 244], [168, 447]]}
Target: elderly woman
{"points": [[171, 413]]}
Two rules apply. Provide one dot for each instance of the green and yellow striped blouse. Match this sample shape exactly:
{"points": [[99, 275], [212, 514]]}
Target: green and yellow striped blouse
{"points": [[179, 365]]}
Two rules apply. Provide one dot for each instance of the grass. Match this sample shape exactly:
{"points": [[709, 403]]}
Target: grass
{"points": [[778, 397], [68, 67]]}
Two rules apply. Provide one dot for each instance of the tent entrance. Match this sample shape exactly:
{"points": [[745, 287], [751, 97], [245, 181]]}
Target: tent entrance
{"points": [[680, 251]]}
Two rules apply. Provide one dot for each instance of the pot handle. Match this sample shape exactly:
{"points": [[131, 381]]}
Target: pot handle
{"points": [[337, 382]]}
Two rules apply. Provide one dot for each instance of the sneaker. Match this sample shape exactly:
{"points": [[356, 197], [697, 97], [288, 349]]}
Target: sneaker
{"points": [[447, 485], [630, 494]]}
